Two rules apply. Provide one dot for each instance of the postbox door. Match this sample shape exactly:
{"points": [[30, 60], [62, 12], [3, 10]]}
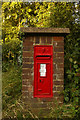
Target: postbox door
{"points": [[44, 79], [43, 71]]}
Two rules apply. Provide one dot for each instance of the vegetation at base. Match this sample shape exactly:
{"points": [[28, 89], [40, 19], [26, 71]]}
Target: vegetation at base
{"points": [[12, 85], [39, 14]]}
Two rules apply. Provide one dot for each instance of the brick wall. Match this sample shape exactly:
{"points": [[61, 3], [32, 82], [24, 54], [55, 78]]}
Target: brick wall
{"points": [[28, 71]]}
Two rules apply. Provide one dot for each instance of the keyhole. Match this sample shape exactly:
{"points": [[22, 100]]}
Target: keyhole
{"points": [[40, 80]]}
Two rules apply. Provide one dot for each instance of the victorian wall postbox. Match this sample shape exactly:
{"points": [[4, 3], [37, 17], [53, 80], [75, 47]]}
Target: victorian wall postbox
{"points": [[43, 71]]}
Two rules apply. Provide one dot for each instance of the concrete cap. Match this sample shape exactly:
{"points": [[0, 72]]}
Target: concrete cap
{"points": [[44, 30]]}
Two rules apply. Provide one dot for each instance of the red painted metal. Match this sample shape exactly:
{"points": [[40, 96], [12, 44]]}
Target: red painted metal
{"points": [[43, 71]]}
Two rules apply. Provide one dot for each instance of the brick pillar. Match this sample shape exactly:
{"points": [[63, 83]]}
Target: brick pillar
{"points": [[27, 68], [43, 36], [58, 65]]}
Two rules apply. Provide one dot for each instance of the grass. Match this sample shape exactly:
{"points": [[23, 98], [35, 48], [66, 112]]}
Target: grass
{"points": [[11, 91]]}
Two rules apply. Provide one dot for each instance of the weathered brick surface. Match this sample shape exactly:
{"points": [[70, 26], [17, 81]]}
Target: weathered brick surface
{"points": [[26, 76], [58, 60], [49, 40], [46, 99], [56, 94], [25, 93], [29, 43], [27, 48], [27, 65], [60, 65], [28, 59], [27, 54], [61, 55], [43, 39], [60, 76], [37, 39], [59, 49], [58, 71], [57, 43], [24, 87], [28, 71], [59, 88], [58, 82], [58, 38]]}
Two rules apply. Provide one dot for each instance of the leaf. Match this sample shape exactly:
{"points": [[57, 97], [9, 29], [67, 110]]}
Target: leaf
{"points": [[75, 62], [75, 66], [71, 60], [66, 99]]}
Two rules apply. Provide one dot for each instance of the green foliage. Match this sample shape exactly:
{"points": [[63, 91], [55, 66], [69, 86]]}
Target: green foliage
{"points": [[10, 51], [41, 14], [11, 81], [65, 15]]}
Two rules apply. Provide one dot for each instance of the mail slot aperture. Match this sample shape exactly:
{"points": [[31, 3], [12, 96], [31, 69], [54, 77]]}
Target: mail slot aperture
{"points": [[43, 71]]}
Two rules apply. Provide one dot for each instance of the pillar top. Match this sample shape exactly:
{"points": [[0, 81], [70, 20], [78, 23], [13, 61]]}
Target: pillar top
{"points": [[45, 30]]}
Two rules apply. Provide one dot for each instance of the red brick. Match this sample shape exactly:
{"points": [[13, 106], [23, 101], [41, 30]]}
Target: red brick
{"points": [[27, 88], [58, 71], [27, 65], [58, 49], [58, 82], [60, 54], [58, 43], [25, 99], [24, 82], [34, 100], [27, 59], [59, 88], [46, 99], [60, 76], [26, 73], [37, 39], [26, 70], [27, 54], [30, 88], [58, 60], [24, 87], [27, 48], [60, 65], [43, 39], [27, 43], [49, 40], [39, 105], [58, 38], [25, 93], [26, 76]]}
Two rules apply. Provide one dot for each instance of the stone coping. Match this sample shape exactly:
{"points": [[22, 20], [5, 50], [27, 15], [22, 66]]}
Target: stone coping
{"points": [[44, 30]]}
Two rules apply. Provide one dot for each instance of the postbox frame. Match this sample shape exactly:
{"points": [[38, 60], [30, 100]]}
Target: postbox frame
{"points": [[34, 88]]}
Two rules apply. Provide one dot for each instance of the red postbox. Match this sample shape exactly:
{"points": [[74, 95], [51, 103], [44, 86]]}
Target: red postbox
{"points": [[43, 71]]}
